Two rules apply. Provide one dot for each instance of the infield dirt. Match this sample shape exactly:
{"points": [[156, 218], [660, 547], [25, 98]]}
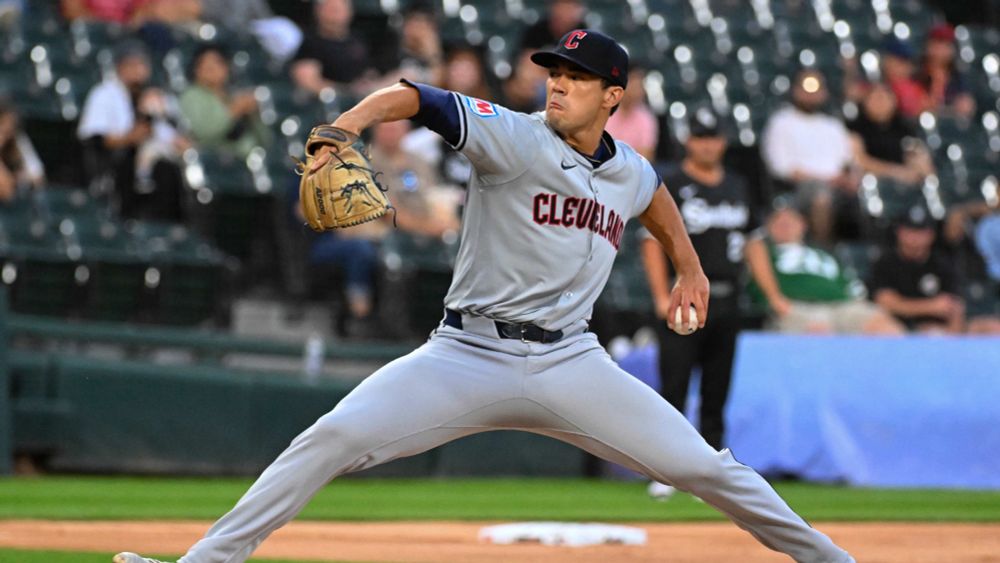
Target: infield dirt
{"points": [[456, 542]]}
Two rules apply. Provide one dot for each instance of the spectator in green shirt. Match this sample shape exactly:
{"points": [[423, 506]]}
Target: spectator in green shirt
{"points": [[218, 118], [806, 288]]}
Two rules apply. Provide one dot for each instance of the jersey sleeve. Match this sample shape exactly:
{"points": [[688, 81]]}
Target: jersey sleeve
{"points": [[649, 182], [501, 144]]}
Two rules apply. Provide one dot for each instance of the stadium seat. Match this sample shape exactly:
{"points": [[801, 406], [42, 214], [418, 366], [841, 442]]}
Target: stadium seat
{"points": [[115, 263], [857, 256], [187, 275], [285, 99], [403, 251], [39, 267], [58, 200], [422, 269], [239, 204], [898, 197], [224, 172], [493, 18], [42, 20]]}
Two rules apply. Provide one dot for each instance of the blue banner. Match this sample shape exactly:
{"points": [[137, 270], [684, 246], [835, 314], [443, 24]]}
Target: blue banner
{"points": [[888, 412]]}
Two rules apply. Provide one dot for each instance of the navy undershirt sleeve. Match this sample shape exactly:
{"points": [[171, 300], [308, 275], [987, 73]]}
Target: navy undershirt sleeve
{"points": [[438, 112]]}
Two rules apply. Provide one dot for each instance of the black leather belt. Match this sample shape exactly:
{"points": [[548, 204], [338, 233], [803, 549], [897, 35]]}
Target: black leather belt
{"points": [[526, 332]]}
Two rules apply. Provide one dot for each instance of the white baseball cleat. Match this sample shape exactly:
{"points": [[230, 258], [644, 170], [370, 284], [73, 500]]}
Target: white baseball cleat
{"points": [[659, 491], [129, 557]]}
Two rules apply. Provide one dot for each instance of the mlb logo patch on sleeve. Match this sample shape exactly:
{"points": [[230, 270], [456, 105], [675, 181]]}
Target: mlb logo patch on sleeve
{"points": [[482, 108]]}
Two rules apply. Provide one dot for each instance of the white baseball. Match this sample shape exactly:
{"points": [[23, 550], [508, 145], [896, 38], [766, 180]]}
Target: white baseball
{"points": [[692, 321]]}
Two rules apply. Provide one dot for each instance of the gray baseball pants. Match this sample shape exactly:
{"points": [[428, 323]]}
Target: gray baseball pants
{"points": [[462, 382]]}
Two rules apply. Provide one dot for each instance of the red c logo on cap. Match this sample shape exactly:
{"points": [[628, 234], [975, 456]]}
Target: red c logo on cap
{"points": [[573, 41]]}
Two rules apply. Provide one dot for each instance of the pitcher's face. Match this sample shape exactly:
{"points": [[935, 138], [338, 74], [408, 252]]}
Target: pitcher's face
{"points": [[575, 98]]}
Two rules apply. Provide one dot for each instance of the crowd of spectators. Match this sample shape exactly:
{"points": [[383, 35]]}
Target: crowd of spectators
{"points": [[820, 157], [135, 136]]}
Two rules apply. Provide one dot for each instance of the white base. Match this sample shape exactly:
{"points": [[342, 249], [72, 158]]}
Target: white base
{"points": [[559, 533]]}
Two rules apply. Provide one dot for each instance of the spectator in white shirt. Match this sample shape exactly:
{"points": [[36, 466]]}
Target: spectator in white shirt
{"points": [[812, 151], [130, 135]]}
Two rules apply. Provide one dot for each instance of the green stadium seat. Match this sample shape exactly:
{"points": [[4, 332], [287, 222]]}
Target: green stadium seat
{"points": [[116, 291], [403, 251], [225, 173], [858, 256], [492, 17], [40, 267], [613, 18], [857, 13], [58, 200], [451, 30], [187, 277], [239, 221], [287, 100], [189, 294], [425, 266], [42, 20], [99, 35], [984, 40], [898, 197], [239, 206], [18, 81], [173, 243], [116, 265]]}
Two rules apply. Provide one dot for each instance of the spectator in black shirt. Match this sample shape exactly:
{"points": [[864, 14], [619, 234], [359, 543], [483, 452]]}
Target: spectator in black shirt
{"points": [[563, 17], [331, 53], [916, 284], [886, 144], [715, 205]]}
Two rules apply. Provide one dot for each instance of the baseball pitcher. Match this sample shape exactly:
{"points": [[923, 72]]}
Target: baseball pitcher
{"points": [[547, 205]]}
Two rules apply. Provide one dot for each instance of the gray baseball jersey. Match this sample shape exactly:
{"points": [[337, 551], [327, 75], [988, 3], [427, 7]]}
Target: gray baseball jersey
{"points": [[542, 224], [540, 232]]}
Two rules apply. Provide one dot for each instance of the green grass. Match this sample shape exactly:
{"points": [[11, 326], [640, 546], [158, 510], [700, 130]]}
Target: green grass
{"points": [[120, 498], [33, 556]]}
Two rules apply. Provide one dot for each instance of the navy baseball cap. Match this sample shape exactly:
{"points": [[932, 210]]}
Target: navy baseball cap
{"points": [[916, 217], [590, 50], [898, 48]]}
